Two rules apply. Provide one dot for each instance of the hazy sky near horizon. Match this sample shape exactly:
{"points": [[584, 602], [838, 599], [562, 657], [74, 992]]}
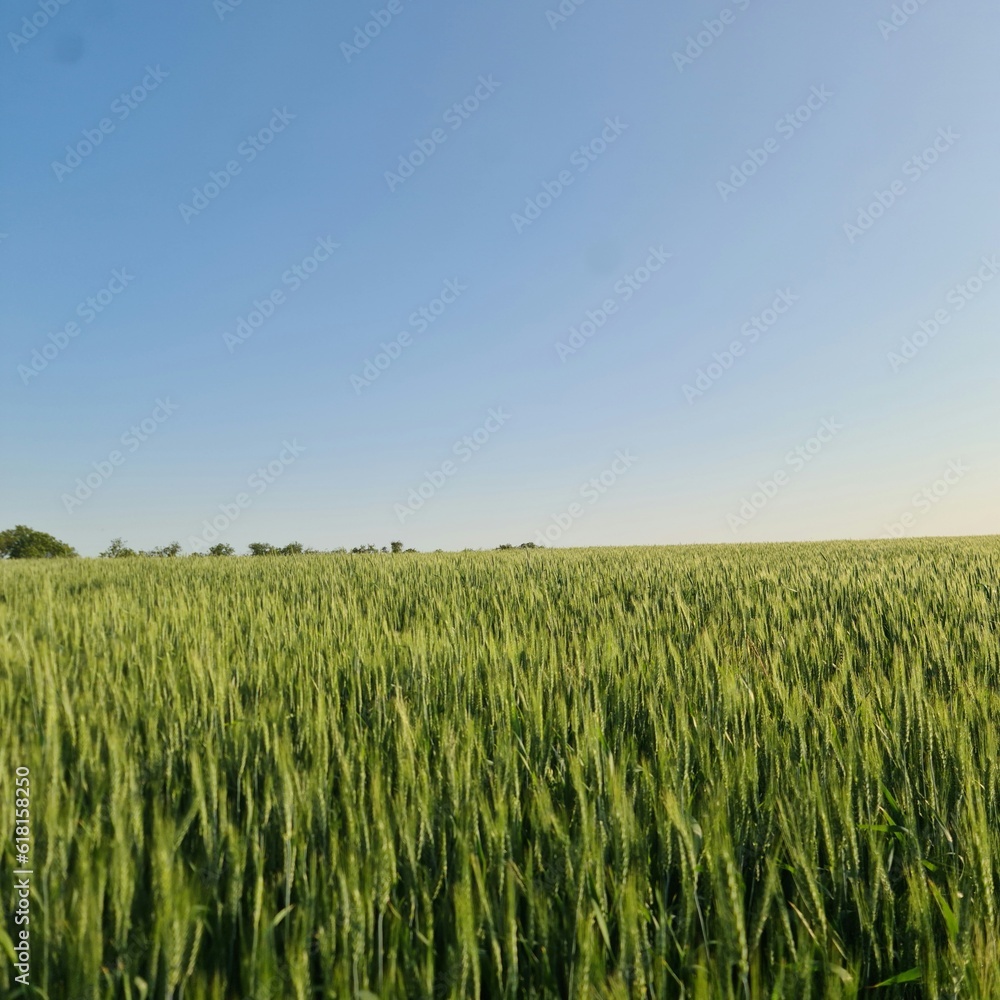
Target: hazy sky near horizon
{"points": [[430, 271]]}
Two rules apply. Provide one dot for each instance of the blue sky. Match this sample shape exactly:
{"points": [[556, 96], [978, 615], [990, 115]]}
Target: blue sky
{"points": [[608, 157]]}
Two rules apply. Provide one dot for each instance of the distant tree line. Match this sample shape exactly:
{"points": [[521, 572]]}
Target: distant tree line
{"points": [[22, 542], [117, 549]]}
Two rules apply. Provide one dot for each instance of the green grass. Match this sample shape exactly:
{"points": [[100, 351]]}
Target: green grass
{"points": [[741, 772]]}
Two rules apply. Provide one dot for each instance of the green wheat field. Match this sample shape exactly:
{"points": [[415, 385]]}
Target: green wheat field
{"points": [[703, 772]]}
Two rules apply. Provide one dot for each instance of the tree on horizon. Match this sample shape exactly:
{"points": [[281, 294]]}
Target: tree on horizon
{"points": [[22, 542]]}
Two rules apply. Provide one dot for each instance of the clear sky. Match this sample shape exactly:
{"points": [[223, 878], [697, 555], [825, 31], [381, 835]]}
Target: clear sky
{"points": [[654, 179]]}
